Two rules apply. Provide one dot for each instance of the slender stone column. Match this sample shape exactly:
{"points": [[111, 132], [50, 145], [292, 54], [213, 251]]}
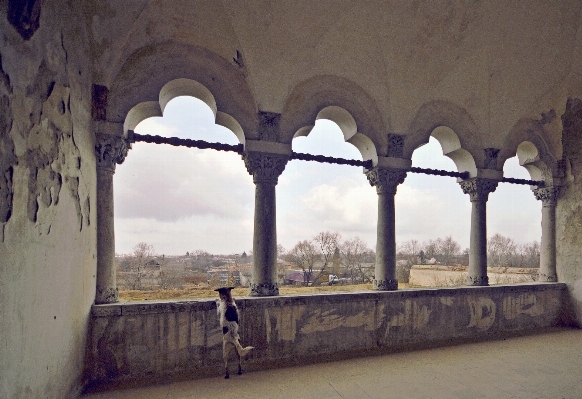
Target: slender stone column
{"points": [[265, 168], [548, 196], [386, 181], [479, 190], [110, 150]]}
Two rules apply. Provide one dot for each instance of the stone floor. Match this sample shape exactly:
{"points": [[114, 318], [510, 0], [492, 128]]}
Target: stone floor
{"points": [[547, 366]]}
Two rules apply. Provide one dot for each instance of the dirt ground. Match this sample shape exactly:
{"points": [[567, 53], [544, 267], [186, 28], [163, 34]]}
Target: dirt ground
{"points": [[195, 292]]}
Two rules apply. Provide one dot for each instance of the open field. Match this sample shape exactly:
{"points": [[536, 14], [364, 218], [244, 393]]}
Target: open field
{"points": [[194, 292]]}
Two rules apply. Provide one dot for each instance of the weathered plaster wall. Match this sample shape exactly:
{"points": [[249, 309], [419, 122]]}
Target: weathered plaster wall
{"points": [[47, 174], [136, 343], [569, 208]]}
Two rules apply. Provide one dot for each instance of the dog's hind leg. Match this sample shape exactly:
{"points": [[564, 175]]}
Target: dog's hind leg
{"points": [[241, 352], [240, 370], [225, 353]]}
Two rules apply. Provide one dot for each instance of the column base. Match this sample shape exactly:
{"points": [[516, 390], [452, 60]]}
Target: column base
{"points": [[386, 285], [478, 281], [264, 290], [106, 295], [547, 278]]}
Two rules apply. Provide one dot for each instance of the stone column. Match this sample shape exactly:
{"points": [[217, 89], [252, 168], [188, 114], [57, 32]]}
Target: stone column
{"points": [[109, 150], [386, 181], [548, 196], [478, 189], [265, 168]]}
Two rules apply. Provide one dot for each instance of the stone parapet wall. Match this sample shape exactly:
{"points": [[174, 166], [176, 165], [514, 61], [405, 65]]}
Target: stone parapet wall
{"points": [[450, 276], [143, 342]]}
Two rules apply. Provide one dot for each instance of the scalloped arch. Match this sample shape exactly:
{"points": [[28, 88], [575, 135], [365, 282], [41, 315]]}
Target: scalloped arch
{"points": [[526, 140], [327, 94], [349, 128], [163, 71], [435, 114]]}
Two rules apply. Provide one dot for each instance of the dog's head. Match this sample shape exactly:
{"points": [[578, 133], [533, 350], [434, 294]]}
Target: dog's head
{"points": [[224, 293]]}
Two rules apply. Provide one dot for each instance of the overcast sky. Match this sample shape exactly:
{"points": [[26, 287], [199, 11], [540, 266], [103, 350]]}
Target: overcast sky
{"points": [[184, 199]]}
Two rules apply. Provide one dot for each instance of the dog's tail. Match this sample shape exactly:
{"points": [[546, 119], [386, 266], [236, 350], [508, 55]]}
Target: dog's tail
{"points": [[242, 352]]}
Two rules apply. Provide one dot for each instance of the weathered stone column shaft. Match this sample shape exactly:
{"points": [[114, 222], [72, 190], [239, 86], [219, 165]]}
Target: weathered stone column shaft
{"points": [[109, 150], [386, 239], [265, 168], [106, 273], [548, 196], [479, 190], [386, 181], [265, 237], [478, 245]]}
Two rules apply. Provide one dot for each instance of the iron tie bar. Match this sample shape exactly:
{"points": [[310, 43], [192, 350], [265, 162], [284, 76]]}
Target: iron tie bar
{"points": [[239, 149]]}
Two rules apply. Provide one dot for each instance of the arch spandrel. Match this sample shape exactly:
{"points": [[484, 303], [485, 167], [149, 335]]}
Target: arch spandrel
{"points": [[327, 95], [149, 70]]}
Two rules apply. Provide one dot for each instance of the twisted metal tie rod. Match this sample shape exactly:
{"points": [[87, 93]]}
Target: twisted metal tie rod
{"points": [[239, 148]]}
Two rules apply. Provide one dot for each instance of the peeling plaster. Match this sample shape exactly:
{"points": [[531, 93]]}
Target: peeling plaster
{"points": [[8, 158], [482, 310], [523, 304]]}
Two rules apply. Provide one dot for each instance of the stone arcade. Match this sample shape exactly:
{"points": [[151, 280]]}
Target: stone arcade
{"points": [[488, 80]]}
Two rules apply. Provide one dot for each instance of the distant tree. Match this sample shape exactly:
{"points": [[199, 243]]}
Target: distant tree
{"points": [[143, 255], [448, 249], [431, 249], [501, 251], [281, 251], [354, 254], [231, 281], [214, 281], [305, 256], [529, 254], [409, 251], [328, 243]]}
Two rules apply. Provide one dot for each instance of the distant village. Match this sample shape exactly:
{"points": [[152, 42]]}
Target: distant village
{"points": [[325, 259]]}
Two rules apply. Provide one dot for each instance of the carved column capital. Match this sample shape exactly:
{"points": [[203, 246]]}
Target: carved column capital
{"points": [[265, 167], [479, 188], [548, 195], [386, 180], [110, 150]]}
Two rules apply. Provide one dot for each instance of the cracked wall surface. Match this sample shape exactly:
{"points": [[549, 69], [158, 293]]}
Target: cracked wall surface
{"points": [[569, 207], [47, 182]]}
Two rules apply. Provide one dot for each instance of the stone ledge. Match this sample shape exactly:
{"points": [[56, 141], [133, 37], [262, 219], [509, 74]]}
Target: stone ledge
{"points": [[192, 305]]}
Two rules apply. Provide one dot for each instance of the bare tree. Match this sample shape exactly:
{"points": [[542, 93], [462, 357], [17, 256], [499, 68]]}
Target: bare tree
{"points": [[354, 254], [529, 254], [304, 255], [501, 251], [410, 251], [315, 256], [143, 254], [448, 249], [327, 243]]}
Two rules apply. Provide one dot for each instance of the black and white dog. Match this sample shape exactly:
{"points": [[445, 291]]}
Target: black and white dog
{"points": [[228, 313]]}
